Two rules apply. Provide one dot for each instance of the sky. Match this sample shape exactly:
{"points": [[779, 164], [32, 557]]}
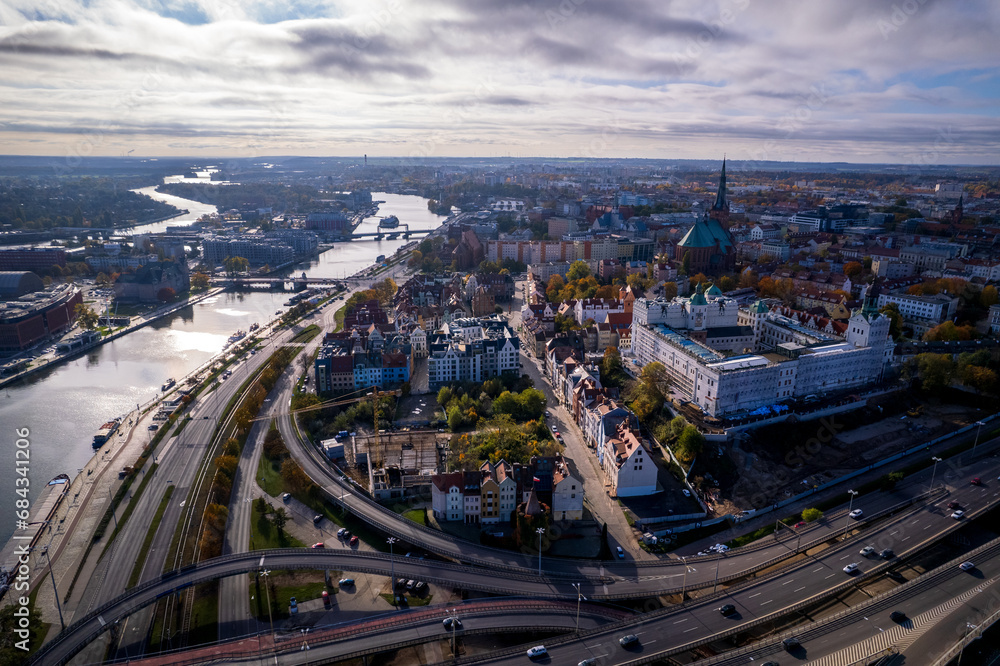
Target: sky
{"points": [[902, 81]]}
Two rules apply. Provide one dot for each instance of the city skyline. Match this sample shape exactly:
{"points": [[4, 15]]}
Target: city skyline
{"points": [[902, 82]]}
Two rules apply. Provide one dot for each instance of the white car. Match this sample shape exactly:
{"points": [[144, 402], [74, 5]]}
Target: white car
{"points": [[851, 568], [537, 652], [857, 513], [958, 514], [867, 550], [966, 566]]}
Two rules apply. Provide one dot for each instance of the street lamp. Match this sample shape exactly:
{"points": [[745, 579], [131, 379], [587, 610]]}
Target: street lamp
{"points": [[717, 563], [978, 430], [540, 531], [685, 578], [265, 573], [934, 471], [873, 626], [45, 552], [392, 569], [579, 596], [454, 628], [850, 506], [968, 627]]}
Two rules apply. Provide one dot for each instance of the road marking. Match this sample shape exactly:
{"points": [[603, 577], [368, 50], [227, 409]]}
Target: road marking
{"points": [[817, 569], [754, 595], [928, 527], [789, 581], [684, 620], [845, 556], [904, 538], [830, 576], [799, 589], [691, 629], [893, 532], [764, 603]]}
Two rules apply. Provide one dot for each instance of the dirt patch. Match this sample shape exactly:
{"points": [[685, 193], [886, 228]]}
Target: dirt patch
{"points": [[776, 462]]}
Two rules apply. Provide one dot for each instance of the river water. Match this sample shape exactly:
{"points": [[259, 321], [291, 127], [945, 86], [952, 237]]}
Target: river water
{"points": [[64, 406]]}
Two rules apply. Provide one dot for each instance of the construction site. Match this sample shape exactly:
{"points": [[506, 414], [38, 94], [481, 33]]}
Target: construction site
{"points": [[391, 464]]}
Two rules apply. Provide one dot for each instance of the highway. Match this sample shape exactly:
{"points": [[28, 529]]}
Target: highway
{"points": [[814, 577]]}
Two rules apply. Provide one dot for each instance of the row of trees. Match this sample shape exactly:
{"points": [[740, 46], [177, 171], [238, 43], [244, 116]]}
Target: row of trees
{"points": [[466, 405], [501, 437], [975, 370]]}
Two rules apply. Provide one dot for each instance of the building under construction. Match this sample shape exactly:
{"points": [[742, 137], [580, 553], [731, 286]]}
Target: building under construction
{"points": [[396, 463]]}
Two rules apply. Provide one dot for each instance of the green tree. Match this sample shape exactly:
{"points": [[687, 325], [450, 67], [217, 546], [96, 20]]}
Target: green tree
{"points": [[235, 265], [444, 396], [577, 271], [102, 280], [689, 444], [811, 515], [891, 310], [85, 317], [455, 420], [686, 263], [280, 520], [199, 281], [989, 296], [532, 404], [936, 370], [853, 269], [612, 371], [260, 504]]}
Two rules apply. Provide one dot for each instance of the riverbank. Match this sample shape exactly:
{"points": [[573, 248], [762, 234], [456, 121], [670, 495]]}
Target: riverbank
{"points": [[76, 353]]}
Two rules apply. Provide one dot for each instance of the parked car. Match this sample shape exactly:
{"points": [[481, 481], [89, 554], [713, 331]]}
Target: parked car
{"points": [[857, 513], [326, 598], [897, 616], [286, 496], [629, 641], [345, 582], [621, 553], [410, 584], [537, 652], [866, 551], [851, 568], [966, 566], [317, 519], [293, 607], [354, 541], [319, 544], [728, 609], [340, 532]]}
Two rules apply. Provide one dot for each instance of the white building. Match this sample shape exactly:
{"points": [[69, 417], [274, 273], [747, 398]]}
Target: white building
{"points": [[567, 494], [447, 496], [628, 467]]}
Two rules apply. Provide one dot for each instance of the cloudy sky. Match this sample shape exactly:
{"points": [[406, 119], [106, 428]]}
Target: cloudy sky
{"points": [[910, 81]]}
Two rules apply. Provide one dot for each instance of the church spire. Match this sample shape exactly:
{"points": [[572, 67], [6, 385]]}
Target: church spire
{"points": [[720, 197]]}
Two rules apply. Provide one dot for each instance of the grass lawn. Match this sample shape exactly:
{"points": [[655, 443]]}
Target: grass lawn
{"points": [[269, 477], [303, 585], [264, 535], [338, 317], [205, 614], [419, 516]]}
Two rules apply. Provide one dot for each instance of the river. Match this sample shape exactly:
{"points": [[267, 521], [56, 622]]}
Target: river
{"points": [[64, 406]]}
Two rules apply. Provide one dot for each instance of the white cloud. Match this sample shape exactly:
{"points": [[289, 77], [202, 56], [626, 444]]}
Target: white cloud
{"points": [[825, 81]]}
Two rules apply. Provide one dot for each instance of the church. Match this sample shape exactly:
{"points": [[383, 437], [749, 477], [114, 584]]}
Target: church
{"points": [[707, 245]]}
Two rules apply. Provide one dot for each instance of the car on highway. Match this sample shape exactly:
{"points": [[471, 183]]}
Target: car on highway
{"points": [[537, 652], [354, 540], [966, 566], [851, 568], [621, 553], [588, 662], [319, 544], [687, 493], [897, 616], [857, 513], [957, 515], [976, 481], [728, 609], [866, 551], [791, 643], [345, 582], [628, 641], [452, 623], [293, 607], [954, 505], [770, 663], [887, 554]]}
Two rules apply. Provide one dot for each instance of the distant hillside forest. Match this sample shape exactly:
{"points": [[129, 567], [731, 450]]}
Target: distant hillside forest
{"points": [[281, 198], [77, 202]]}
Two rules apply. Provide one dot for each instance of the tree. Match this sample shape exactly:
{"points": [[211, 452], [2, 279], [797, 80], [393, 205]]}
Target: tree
{"points": [[199, 281], [102, 280], [891, 310], [235, 265], [280, 520], [455, 420], [85, 317], [887, 482], [686, 263], [989, 296], [444, 396], [669, 290], [949, 332], [166, 294], [689, 444], [260, 504], [578, 270], [612, 372], [811, 515], [983, 380], [853, 269], [936, 370], [748, 279], [384, 291]]}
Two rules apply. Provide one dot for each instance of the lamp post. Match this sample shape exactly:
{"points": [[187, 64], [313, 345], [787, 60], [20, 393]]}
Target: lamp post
{"points": [[684, 580], [392, 569], [45, 552], [540, 531], [850, 506], [873, 627], [968, 626], [934, 471], [579, 596], [454, 629], [978, 430], [265, 573]]}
